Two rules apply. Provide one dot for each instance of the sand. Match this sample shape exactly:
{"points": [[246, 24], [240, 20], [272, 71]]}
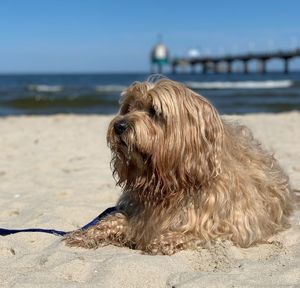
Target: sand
{"points": [[54, 173]]}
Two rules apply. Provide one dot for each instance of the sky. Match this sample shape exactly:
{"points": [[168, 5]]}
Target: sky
{"points": [[117, 36]]}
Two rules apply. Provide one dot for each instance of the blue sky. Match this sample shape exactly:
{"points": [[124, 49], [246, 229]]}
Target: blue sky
{"points": [[116, 36]]}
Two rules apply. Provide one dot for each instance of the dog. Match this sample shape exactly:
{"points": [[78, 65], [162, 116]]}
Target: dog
{"points": [[188, 177]]}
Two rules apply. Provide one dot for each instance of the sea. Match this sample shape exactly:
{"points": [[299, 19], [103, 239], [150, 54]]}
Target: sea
{"points": [[46, 94]]}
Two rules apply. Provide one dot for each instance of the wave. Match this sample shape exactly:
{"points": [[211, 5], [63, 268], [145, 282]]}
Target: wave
{"points": [[269, 84], [45, 88], [68, 102], [110, 88]]}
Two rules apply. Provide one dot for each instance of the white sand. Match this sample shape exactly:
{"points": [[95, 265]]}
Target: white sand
{"points": [[54, 173]]}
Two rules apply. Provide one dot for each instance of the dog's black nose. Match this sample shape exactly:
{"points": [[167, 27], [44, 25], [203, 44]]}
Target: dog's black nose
{"points": [[120, 126]]}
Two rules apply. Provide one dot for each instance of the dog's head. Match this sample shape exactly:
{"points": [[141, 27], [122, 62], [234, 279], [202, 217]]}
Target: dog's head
{"points": [[165, 131]]}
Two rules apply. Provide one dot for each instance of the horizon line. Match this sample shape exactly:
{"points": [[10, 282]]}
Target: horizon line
{"points": [[2, 73]]}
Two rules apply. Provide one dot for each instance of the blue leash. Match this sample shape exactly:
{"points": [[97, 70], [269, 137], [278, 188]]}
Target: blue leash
{"points": [[108, 211]]}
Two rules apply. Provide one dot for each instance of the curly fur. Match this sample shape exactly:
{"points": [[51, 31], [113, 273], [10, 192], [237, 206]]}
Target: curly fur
{"points": [[188, 176]]}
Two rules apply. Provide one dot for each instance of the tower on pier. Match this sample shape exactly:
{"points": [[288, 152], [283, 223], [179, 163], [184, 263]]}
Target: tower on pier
{"points": [[159, 57]]}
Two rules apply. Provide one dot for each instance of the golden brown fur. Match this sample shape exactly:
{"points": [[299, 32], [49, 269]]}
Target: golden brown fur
{"points": [[187, 176]]}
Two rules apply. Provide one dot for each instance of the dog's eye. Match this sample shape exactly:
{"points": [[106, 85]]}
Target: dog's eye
{"points": [[152, 111]]}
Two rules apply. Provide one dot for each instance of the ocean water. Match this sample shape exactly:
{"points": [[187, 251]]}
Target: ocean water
{"points": [[100, 93]]}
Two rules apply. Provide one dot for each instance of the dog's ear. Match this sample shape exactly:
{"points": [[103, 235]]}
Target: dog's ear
{"points": [[210, 138], [190, 152]]}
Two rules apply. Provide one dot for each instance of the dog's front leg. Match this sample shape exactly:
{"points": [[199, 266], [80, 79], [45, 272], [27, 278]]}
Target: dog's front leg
{"points": [[111, 230]]}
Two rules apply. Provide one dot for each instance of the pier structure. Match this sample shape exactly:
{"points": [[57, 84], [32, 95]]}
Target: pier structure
{"points": [[224, 64]]}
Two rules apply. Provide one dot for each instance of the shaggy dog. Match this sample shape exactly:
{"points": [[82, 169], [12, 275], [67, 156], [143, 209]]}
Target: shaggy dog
{"points": [[187, 176]]}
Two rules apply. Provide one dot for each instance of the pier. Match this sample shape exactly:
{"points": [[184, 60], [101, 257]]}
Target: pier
{"points": [[224, 64]]}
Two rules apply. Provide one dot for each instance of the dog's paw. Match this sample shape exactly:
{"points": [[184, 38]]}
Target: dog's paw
{"points": [[110, 230], [164, 248], [82, 239]]}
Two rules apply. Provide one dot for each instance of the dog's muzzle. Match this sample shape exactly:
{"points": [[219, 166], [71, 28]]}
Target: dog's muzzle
{"points": [[120, 127]]}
